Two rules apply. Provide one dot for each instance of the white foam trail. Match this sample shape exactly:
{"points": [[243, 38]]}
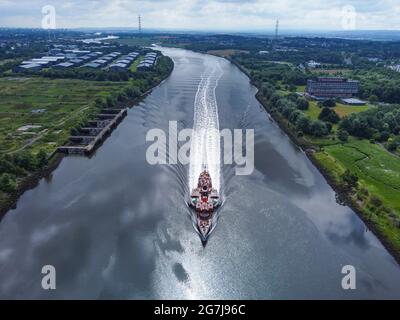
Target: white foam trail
{"points": [[205, 146]]}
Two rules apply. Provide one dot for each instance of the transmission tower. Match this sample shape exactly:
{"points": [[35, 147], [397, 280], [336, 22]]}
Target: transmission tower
{"points": [[276, 30], [140, 24]]}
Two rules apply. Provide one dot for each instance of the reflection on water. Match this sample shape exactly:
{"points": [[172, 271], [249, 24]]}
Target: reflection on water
{"points": [[116, 227]]}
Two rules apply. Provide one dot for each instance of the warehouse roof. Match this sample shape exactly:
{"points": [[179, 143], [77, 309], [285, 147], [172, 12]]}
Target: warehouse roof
{"points": [[30, 65], [91, 65], [119, 65], [64, 65]]}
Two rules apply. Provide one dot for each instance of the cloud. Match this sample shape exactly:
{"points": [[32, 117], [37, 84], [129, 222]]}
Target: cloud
{"points": [[203, 14]]}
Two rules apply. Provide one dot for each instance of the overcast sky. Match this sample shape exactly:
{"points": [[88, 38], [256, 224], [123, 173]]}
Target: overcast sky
{"points": [[238, 15]]}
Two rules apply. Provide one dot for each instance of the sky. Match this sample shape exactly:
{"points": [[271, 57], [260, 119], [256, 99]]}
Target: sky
{"points": [[212, 15]]}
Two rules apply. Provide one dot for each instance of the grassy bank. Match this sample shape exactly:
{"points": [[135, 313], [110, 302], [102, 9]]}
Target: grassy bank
{"points": [[375, 193], [51, 106], [37, 115]]}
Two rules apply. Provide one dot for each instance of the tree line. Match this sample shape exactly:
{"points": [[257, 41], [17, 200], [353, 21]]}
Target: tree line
{"points": [[380, 124], [19, 165]]}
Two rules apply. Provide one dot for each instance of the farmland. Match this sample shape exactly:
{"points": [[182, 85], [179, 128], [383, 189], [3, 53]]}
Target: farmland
{"points": [[377, 169]]}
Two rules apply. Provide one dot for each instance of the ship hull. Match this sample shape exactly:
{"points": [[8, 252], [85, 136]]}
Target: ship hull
{"points": [[204, 200]]}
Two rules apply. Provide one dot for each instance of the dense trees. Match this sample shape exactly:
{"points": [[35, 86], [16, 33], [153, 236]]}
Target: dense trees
{"points": [[379, 84], [319, 128], [329, 103], [342, 135], [377, 123], [7, 183], [19, 165], [393, 143], [302, 104], [329, 115], [380, 124], [349, 179], [267, 76], [303, 124]]}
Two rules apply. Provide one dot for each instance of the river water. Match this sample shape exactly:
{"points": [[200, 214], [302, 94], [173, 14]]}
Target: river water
{"points": [[115, 226]]}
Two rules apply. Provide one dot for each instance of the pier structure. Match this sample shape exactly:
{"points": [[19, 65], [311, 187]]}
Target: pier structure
{"points": [[95, 132]]}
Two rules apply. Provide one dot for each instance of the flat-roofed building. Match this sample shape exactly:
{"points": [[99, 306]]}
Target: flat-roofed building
{"points": [[71, 56], [101, 61], [354, 102], [77, 51], [28, 67], [76, 61], [142, 66], [43, 63], [53, 58], [81, 52], [113, 55], [63, 65], [330, 87], [85, 58], [147, 60], [126, 61], [118, 67], [91, 65]]}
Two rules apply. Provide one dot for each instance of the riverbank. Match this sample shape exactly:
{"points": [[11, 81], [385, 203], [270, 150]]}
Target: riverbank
{"points": [[381, 226], [9, 201], [29, 182], [343, 195]]}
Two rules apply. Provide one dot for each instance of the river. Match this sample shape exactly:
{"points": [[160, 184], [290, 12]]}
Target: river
{"points": [[115, 226]]}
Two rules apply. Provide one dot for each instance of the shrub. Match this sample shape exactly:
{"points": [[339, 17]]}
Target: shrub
{"points": [[342, 135], [7, 183]]}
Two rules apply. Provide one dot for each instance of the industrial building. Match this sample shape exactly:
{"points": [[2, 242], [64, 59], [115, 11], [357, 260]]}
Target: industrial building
{"points": [[28, 67], [39, 63], [148, 62], [330, 87], [142, 66], [85, 58], [354, 102], [76, 61], [123, 63], [92, 65], [63, 65], [73, 57], [117, 67]]}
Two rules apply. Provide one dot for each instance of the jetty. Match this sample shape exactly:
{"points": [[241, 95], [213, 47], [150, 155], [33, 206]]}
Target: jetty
{"points": [[95, 132]]}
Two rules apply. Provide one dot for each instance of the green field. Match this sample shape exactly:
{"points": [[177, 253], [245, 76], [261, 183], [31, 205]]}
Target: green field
{"points": [[378, 173], [341, 109], [2, 62], [64, 101], [135, 63], [377, 169]]}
